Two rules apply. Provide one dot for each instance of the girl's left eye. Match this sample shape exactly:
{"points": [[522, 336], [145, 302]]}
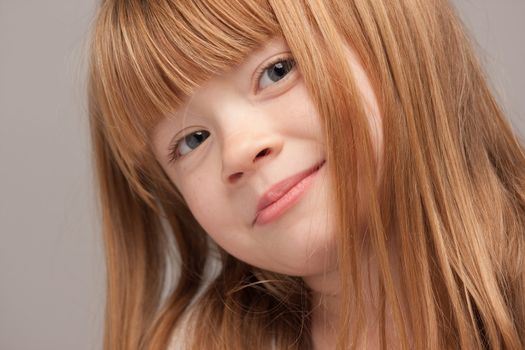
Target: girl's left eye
{"points": [[274, 71], [187, 144]]}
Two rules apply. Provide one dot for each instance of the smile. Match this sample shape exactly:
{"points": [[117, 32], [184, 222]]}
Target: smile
{"points": [[284, 195]]}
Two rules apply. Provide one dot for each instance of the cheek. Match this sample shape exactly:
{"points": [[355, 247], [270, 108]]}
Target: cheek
{"points": [[295, 114], [217, 219], [203, 201], [213, 212]]}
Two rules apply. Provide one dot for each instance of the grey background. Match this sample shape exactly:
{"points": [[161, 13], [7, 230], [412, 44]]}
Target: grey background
{"points": [[51, 261]]}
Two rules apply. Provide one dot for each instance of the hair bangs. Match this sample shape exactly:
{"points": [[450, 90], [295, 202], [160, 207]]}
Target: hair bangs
{"points": [[148, 57]]}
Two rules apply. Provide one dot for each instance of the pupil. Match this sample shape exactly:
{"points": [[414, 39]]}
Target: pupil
{"points": [[195, 139], [280, 69]]}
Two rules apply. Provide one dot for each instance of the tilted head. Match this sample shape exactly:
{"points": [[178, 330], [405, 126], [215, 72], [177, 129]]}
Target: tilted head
{"points": [[396, 106]]}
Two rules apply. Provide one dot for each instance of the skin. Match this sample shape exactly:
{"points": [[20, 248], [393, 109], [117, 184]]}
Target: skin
{"points": [[262, 132]]}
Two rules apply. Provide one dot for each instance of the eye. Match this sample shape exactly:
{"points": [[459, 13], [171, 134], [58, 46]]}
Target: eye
{"points": [[274, 71], [187, 143]]}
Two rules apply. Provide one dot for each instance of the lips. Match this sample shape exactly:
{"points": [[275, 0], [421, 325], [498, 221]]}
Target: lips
{"points": [[281, 188]]}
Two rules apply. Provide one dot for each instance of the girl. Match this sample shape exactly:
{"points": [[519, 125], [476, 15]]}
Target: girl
{"points": [[309, 174]]}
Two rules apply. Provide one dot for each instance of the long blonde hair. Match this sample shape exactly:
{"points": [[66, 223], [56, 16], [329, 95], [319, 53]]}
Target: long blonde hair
{"points": [[452, 191]]}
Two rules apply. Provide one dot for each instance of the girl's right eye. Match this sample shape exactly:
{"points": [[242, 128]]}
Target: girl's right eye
{"points": [[187, 143]]}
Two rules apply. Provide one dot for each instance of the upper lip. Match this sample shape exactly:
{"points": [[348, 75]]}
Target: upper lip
{"points": [[281, 188]]}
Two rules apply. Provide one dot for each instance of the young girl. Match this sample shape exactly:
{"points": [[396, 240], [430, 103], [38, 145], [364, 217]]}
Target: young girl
{"points": [[309, 174]]}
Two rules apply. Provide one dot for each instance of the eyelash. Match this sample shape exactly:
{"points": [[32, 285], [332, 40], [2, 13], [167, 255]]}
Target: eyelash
{"points": [[258, 75]]}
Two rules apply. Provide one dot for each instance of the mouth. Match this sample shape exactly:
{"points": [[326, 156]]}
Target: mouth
{"points": [[284, 195]]}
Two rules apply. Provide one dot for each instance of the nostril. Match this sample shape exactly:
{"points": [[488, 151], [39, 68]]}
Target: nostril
{"points": [[234, 177], [263, 153]]}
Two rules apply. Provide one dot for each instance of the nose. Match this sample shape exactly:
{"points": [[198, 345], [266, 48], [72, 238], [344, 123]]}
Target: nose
{"points": [[244, 152]]}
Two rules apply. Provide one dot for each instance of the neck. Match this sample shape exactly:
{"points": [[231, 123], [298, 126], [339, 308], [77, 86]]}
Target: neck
{"points": [[326, 306]]}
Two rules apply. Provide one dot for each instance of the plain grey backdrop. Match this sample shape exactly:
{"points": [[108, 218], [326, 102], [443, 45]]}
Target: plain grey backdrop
{"points": [[51, 261]]}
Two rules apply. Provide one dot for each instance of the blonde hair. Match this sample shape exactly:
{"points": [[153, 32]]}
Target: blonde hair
{"points": [[452, 190]]}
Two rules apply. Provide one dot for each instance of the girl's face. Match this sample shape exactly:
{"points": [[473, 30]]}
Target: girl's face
{"points": [[246, 152]]}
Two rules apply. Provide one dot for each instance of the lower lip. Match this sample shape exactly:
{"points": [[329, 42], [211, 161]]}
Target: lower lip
{"points": [[280, 206]]}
